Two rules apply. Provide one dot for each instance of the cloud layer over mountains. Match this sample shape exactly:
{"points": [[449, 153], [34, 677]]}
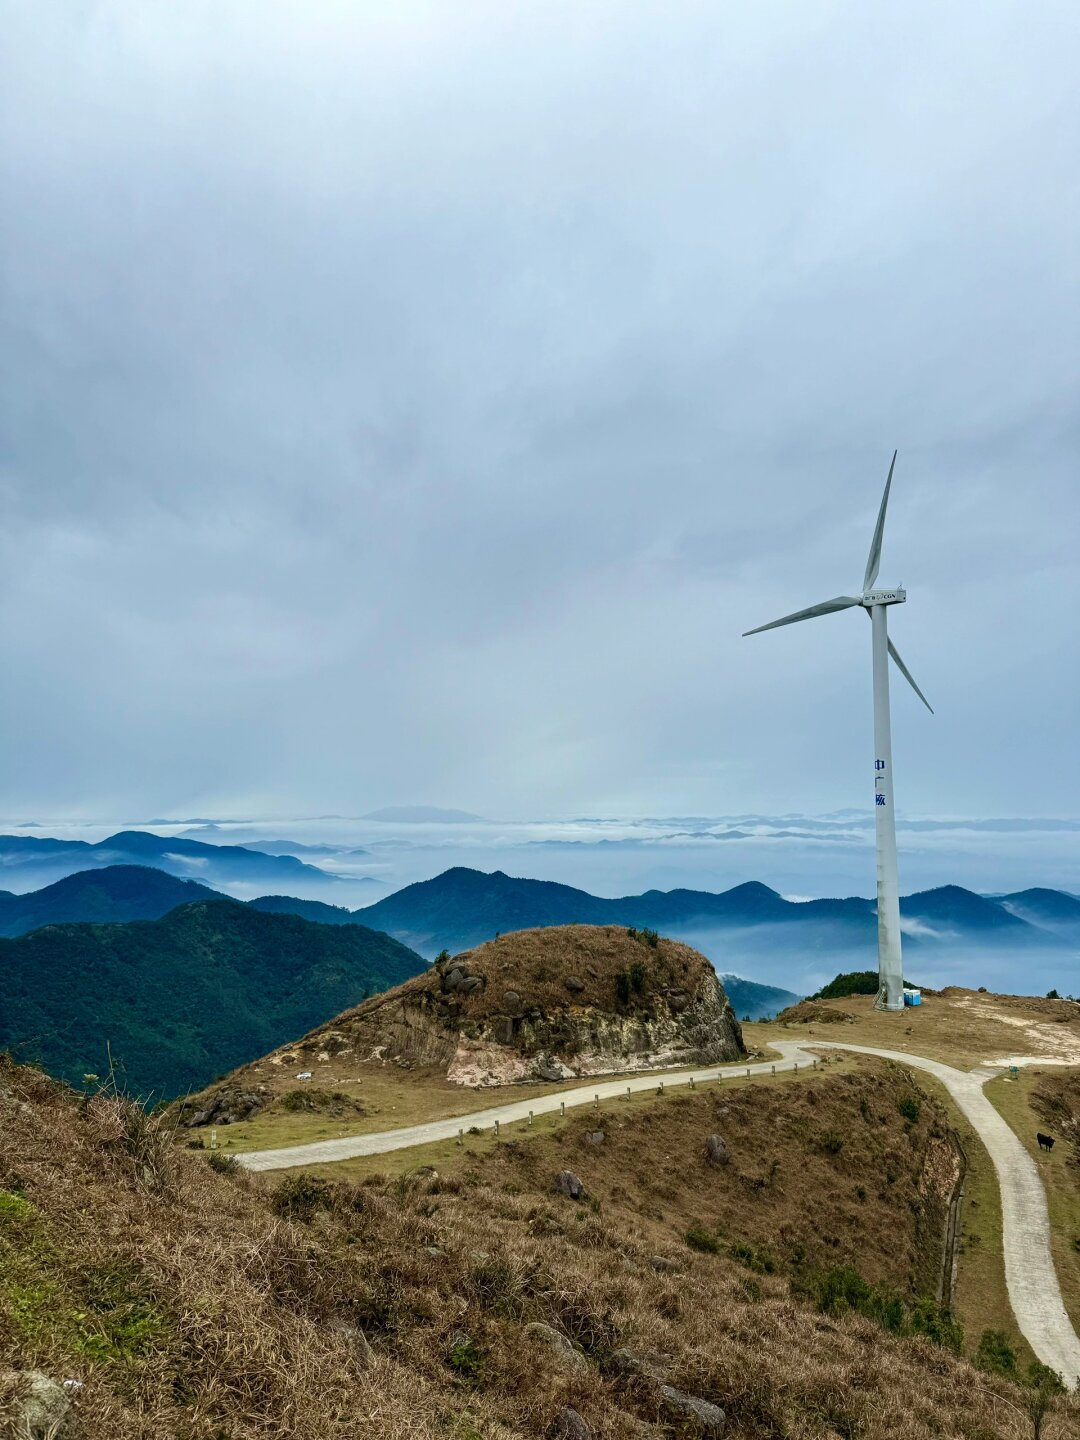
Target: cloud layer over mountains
{"points": [[417, 401]]}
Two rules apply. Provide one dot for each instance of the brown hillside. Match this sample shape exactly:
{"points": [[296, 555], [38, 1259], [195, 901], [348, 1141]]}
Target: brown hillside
{"points": [[191, 1305]]}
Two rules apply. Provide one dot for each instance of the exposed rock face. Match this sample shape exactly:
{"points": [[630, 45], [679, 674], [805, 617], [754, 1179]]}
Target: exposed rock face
{"points": [[551, 1004]]}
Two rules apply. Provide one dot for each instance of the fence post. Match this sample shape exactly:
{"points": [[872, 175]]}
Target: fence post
{"points": [[530, 1117], [496, 1129], [461, 1137], [562, 1107], [213, 1139], [774, 1069], [628, 1092]]}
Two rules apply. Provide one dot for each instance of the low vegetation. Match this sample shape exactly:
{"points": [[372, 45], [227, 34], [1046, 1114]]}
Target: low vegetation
{"points": [[195, 1305]]}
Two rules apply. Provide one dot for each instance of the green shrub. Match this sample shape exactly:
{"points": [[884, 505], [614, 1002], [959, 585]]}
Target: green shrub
{"points": [[703, 1240], [760, 1261], [937, 1323], [832, 1142], [909, 1108], [994, 1353], [222, 1164], [300, 1196], [466, 1359], [647, 937]]}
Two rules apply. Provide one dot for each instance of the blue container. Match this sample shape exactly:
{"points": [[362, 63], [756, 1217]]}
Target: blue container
{"points": [[912, 997]]}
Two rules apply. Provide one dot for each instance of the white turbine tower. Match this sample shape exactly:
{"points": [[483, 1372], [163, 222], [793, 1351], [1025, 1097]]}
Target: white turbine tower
{"points": [[876, 603]]}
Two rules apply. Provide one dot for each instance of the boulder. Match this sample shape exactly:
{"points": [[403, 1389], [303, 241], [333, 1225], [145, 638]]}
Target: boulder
{"points": [[568, 1425], [560, 1347], [663, 1266], [709, 1418], [595, 1137], [575, 984], [629, 1362], [502, 1030], [716, 1152], [513, 1002], [362, 1351], [548, 1069], [567, 1183], [678, 1002], [471, 984], [41, 1406], [453, 978]]}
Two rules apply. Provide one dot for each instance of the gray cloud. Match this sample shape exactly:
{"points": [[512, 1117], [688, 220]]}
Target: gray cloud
{"points": [[416, 403]]}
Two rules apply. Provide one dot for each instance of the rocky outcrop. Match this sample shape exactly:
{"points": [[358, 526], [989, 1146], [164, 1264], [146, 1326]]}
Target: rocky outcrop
{"points": [[552, 1004]]}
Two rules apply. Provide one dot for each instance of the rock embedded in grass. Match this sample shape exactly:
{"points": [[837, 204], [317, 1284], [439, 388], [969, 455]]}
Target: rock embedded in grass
{"points": [[710, 1419], [716, 1152], [568, 1425], [560, 1347], [567, 1183], [42, 1405]]}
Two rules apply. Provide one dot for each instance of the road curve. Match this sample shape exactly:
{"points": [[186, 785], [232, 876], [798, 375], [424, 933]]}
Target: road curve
{"points": [[322, 1152], [1030, 1276]]}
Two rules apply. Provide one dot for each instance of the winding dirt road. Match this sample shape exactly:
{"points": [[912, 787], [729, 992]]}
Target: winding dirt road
{"points": [[1032, 1281]]}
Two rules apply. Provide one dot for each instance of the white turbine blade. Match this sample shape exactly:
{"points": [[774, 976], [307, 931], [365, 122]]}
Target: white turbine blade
{"points": [[873, 562], [908, 676], [841, 602]]}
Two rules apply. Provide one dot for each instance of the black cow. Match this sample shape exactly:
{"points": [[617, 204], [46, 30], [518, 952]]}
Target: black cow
{"points": [[1046, 1142]]}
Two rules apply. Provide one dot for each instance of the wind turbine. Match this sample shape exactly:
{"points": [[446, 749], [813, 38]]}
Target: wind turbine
{"points": [[876, 604]]}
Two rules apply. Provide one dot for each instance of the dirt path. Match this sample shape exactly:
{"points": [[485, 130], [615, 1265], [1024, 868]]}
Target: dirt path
{"points": [[1029, 1268]]}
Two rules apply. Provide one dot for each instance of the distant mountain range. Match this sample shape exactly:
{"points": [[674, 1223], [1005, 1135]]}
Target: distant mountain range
{"points": [[186, 984], [41, 859], [182, 999], [463, 907]]}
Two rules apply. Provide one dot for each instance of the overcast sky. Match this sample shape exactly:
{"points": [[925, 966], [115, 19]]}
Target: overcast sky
{"points": [[414, 402]]}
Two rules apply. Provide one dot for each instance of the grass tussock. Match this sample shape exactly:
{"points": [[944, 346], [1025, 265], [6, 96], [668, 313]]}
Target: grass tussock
{"points": [[194, 1305]]}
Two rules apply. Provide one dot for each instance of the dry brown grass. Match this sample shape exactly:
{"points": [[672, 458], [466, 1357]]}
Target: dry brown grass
{"points": [[961, 1027], [197, 1306]]}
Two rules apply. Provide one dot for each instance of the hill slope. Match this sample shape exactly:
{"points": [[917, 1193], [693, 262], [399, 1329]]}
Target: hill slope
{"points": [[114, 894], [183, 998], [196, 1304]]}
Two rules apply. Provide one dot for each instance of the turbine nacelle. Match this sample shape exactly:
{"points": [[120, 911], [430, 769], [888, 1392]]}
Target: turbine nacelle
{"points": [[866, 601]]}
